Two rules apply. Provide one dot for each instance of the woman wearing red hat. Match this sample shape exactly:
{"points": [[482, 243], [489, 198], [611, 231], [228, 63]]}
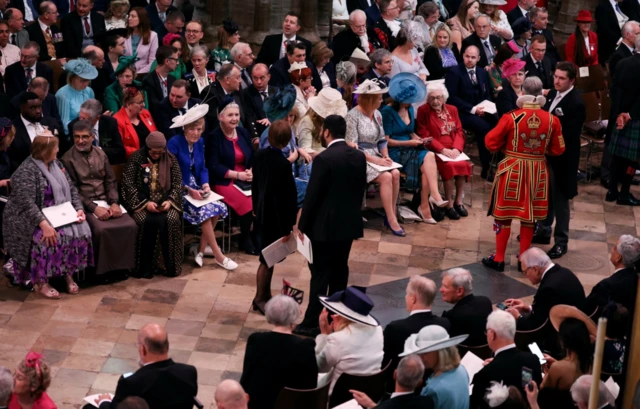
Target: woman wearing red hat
{"points": [[583, 52]]}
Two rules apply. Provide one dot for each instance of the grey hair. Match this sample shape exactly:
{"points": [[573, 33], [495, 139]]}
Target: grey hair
{"points": [[535, 257], [627, 28], [428, 9], [200, 49], [237, 49], [39, 83], [532, 86], [461, 278], [346, 72], [379, 55], [282, 311], [410, 372], [581, 388], [92, 106], [357, 13], [438, 87], [423, 288], [629, 248], [82, 125], [637, 42], [502, 323], [481, 15], [6, 385]]}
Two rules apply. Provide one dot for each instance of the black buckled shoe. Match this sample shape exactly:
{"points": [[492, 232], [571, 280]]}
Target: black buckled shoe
{"points": [[461, 210], [627, 200], [494, 265], [451, 213], [557, 251]]}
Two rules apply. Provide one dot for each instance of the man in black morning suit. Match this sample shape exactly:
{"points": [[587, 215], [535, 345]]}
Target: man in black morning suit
{"points": [[253, 98], [74, 28], [538, 64], [15, 75], [273, 46], [421, 292], [161, 382], [608, 28], [520, 10], [331, 216], [279, 71], [485, 42]]}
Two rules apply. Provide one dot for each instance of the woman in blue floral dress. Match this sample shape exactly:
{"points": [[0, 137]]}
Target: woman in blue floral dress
{"points": [[189, 151]]}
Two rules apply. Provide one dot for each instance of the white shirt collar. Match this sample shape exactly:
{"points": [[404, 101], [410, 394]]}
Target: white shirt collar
{"points": [[618, 269], [43, 26], [284, 38], [96, 128], [545, 271], [564, 94], [32, 127], [524, 12], [504, 348], [396, 394], [632, 49], [334, 141], [418, 312]]}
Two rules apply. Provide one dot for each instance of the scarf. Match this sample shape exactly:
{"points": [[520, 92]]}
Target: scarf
{"points": [[364, 43], [394, 26], [164, 170]]}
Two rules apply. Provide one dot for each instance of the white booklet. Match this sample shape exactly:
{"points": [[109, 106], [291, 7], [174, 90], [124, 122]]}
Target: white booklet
{"points": [[613, 387], [489, 107], [244, 192], [350, 404], [461, 157], [91, 400], [381, 168], [473, 364], [103, 203], [278, 251], [213, 197], [60, 215], [305, 248]]}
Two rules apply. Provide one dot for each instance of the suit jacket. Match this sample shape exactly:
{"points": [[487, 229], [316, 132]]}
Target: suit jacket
{"points": [[214, 100], [514, 14], [433, 61], [620, 288], [151, 84], [626, 79], [146, 52], [35, 34], [22, 37], [163, 385], [411, 401], [357, 5], [572, 114], [621, 53], [469, 316], [373, 14], [383, 32], [546, 75], [331, 209], [462, 93], [631, 8], [506, 99], [271, 45], [346, 41], [220, 156], [280, 74], [49, 107], [20, 148], [154, 18], [253, 106], [473, 39], [129, 135], [73, 27], [558, 286], [164, 114], [608, 29], [615, 91], [552, 50], [179, 146], [109, 139], [16, 80], [506, 367], [370, 75]]}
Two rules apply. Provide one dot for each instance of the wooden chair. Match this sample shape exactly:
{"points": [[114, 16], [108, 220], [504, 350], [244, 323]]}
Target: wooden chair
{"points": [[481, 351], [289, 398], [57, 68], [562, 51], [117, 171], [595, 81], [372, 385], [592, 141]]}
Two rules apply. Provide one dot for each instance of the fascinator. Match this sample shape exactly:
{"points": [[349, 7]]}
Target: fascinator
{"points": [[5, 127], [497, 394], [125, 61], [193, 114], [353, 304], [511, 66], [170, 38], [279, 105], [346, 71], [82, 68], [328, 102], [297, 66], [228, 102], [371, 87], [32, 360], [407, 88], [230, 26], [414, 29]]}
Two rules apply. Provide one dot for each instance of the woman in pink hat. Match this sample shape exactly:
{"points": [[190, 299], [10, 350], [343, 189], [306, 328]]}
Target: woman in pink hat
{"points": [[583, 52], [512, 79]]}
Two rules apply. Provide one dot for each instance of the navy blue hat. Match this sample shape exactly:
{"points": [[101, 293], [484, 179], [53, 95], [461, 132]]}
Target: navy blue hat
{"points": [[521, 26], [279, 105], [352, 304]]}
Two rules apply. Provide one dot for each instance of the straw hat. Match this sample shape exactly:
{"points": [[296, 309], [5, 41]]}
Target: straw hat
{"points": [[353, 304], [328, 102], [561, 312], [430, 338], [193, 114], [371, 87]]}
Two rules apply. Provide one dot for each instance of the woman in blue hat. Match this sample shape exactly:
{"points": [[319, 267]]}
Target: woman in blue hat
{"points": [[80, 72]]}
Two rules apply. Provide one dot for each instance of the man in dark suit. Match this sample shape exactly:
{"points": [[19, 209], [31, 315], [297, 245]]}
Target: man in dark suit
{"points": [[389, 14], [296, 52], [177, 103], [421, 292], [158, 82], [18, 75], [160, 381], [253, 98], [621, 286], [354, 36], [521, 10], [469, 313], [608, 29], [556, 285], [273, 46], [4, 5], [18, 36], [40, 87], [158, 12], [538, 63], [173, 24], [353, 5], [566, 104], [508, 361], [540, 18], [227, 83], [46, 33], [381, 65], [482, 38], [338, 179], [468, 85], [373, 13], [81, 28], [243, 58]]}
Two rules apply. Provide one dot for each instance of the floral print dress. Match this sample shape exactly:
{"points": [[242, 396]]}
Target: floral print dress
{"points": [[197, 215], [368, 134], [220, 57]]}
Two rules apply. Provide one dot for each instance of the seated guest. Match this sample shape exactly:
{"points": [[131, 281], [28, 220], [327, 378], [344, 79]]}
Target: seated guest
{"points": [[227, 83], [353, 342], [469, 313], [254, 97], [513, 75], [188, 149], [328, 102], [296, 52], [468, 85], [442, 54], [506, 366], [160, 381], [15, 18], [520, 10], [274, 46], [6, 386], [28, 125], [300, 76], [388, 26], [462, 23], [10, 52], [430, 14], [356, 35], [406, 147], [421, 292], [95, 56], [229, 157], [521, 42], [134, 122], [199, 77], [265, 373], [32, 378], [495, 69], [500, 25], [482, 38], [381, 65], [228, 36], [140, 40], [116, 15], [581, 392], [242, 57], [158, 82], [346, 79], [405, 56], [177, 103], [321, 58], [158, 12], [113, 232], [439, 127], [18, 75], [615, 343], [125, 74], [82, 27], [172, 24], [38, 250], [448, 387], [71, 96], [114, 48], [230, 395], [179, 43], [193, 34], [557, 285], [46, 33], [40, 87], [373, 13], [539, 64], [540, 18], [152, 193], [104, 130], [582, 46]]}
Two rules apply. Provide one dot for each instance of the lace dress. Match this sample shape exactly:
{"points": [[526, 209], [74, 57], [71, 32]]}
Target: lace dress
{"points": [[197, 215], [368, 134]]}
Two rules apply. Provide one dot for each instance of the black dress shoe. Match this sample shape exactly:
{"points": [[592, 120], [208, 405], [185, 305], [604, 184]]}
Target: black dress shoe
{"points": [[460, 209], [557, 251], [627, 200], [494, 265], [611, 196], [451, 213], [306, 331], [537, 239]]}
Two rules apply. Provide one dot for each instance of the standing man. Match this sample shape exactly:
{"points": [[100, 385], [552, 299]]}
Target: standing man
{"points": [[9, 53], [253, 98], [540, 18], [538, 63], [610, 20], [274, 46], [18, 36], [81, 28], [521, 10], [243, 57], [158, 12], [47, 34], [565, 103], [338, 180]]}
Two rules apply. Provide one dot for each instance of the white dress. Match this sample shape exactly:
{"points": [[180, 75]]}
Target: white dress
{"points": [[340, 11], [503, 24]]}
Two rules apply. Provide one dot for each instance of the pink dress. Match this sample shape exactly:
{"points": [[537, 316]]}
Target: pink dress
{"points": [[232, 196], [44, 402]]}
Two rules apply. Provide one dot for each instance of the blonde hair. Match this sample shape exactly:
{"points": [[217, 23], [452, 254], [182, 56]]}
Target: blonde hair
{"points": [[342, 323], [43, 146], [444, 28], [8, 138], [317, 122], [448, 359], [368, 101]]}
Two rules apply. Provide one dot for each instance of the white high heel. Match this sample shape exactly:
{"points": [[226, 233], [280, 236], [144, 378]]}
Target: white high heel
{"points": [[430, 220], [199, 260], [441, 203]]}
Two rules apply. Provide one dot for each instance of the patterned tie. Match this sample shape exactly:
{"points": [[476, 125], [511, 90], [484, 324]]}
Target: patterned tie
{"points": [[28, 72], [264, 95], [87, 26], [472, 75], [13, 39], [95, 137], [487, 46]]}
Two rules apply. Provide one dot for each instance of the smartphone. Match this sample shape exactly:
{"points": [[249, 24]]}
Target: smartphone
{"points": [[535, 349], [527, 376], [502, 306]]}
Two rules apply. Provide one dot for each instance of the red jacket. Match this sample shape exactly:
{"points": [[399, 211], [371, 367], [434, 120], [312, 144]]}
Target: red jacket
{"points": [[128, 132], [593, 45], [426, 127]]}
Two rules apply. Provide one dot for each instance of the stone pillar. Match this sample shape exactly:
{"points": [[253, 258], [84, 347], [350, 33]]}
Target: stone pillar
{"points": [[564, 25], [309, 19], [325, 12], [261, 22]]}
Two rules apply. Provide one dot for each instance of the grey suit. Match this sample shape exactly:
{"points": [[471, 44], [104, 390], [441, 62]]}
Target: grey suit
{"points": [[22, 37]]}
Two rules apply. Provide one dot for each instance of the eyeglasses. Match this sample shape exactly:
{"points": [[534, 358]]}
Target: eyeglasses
{"points": [[193, 31], [172, 59], [435, 97], [82, 137]]}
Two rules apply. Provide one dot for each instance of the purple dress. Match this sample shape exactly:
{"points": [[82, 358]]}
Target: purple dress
{"points": [[68, 256]]}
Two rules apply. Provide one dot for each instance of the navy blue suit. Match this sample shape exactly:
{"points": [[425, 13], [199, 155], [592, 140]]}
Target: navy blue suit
{"points": [[164, 113], [373, 14], [179, 146], [220, 155], [464, 96]]}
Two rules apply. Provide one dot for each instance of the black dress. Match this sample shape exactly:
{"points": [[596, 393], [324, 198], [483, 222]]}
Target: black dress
{"points": [[273, 361], [143, 132]]}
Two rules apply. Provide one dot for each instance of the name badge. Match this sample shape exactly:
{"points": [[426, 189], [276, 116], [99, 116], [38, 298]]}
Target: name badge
{"points": [[57, 38]]}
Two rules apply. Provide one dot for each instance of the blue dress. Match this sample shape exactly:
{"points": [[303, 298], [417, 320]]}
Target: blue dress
{"points": [[197, 215], [409, 157], [69, 101], [449, 390]]}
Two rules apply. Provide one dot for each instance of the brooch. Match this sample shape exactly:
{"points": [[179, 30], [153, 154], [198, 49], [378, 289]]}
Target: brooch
{"points": [[146, 180]]}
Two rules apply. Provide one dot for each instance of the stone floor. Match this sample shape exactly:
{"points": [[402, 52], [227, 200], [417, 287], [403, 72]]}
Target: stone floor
{"points": [[89, 339]]}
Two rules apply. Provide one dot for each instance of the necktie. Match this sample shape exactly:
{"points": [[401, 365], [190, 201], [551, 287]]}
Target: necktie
{"points": [[618, 8], [245, 77], [472, 75], [555, 102], [182, 111], [13, 39], [48, 30], [95, 137], [487, 46], [87, 26], [264, 95], [28, 72], [34, 11], [542, 73], [163, 16]]}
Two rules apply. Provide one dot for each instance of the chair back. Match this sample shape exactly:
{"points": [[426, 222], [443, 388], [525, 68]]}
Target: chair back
{"points": [[117, 171], [562, 51], [317, 398], [372, 385], [57, 68], [481, 351], [524, 338], [593, 81], [592, 106]]}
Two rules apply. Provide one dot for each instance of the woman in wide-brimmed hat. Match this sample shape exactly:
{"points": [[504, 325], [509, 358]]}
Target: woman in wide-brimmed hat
{"points": [[80, 72], [328, 102], [582, 46], [499, 23], [513, 77]]}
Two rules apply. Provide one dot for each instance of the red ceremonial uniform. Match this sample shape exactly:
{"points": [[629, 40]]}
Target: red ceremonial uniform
{"points": [[521, 186]]}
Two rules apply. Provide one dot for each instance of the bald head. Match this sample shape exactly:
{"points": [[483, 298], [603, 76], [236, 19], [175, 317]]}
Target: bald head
{"points": [[230, 395], [94, 54], [153, 344]]}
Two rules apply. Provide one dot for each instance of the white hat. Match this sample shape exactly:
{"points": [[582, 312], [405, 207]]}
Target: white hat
{"points": [[359, 57], [370, 87], [493, 2], [328, 102], [297, 66], [430, 338], [193, 114]]}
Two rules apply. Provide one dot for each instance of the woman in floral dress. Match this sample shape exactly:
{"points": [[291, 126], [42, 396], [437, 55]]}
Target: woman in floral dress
{"points": [[228, 36]]}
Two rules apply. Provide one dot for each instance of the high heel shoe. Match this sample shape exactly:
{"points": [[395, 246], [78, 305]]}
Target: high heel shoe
{"points": [[434, 202], [429, 220], [400, 233], [258, 306]]}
